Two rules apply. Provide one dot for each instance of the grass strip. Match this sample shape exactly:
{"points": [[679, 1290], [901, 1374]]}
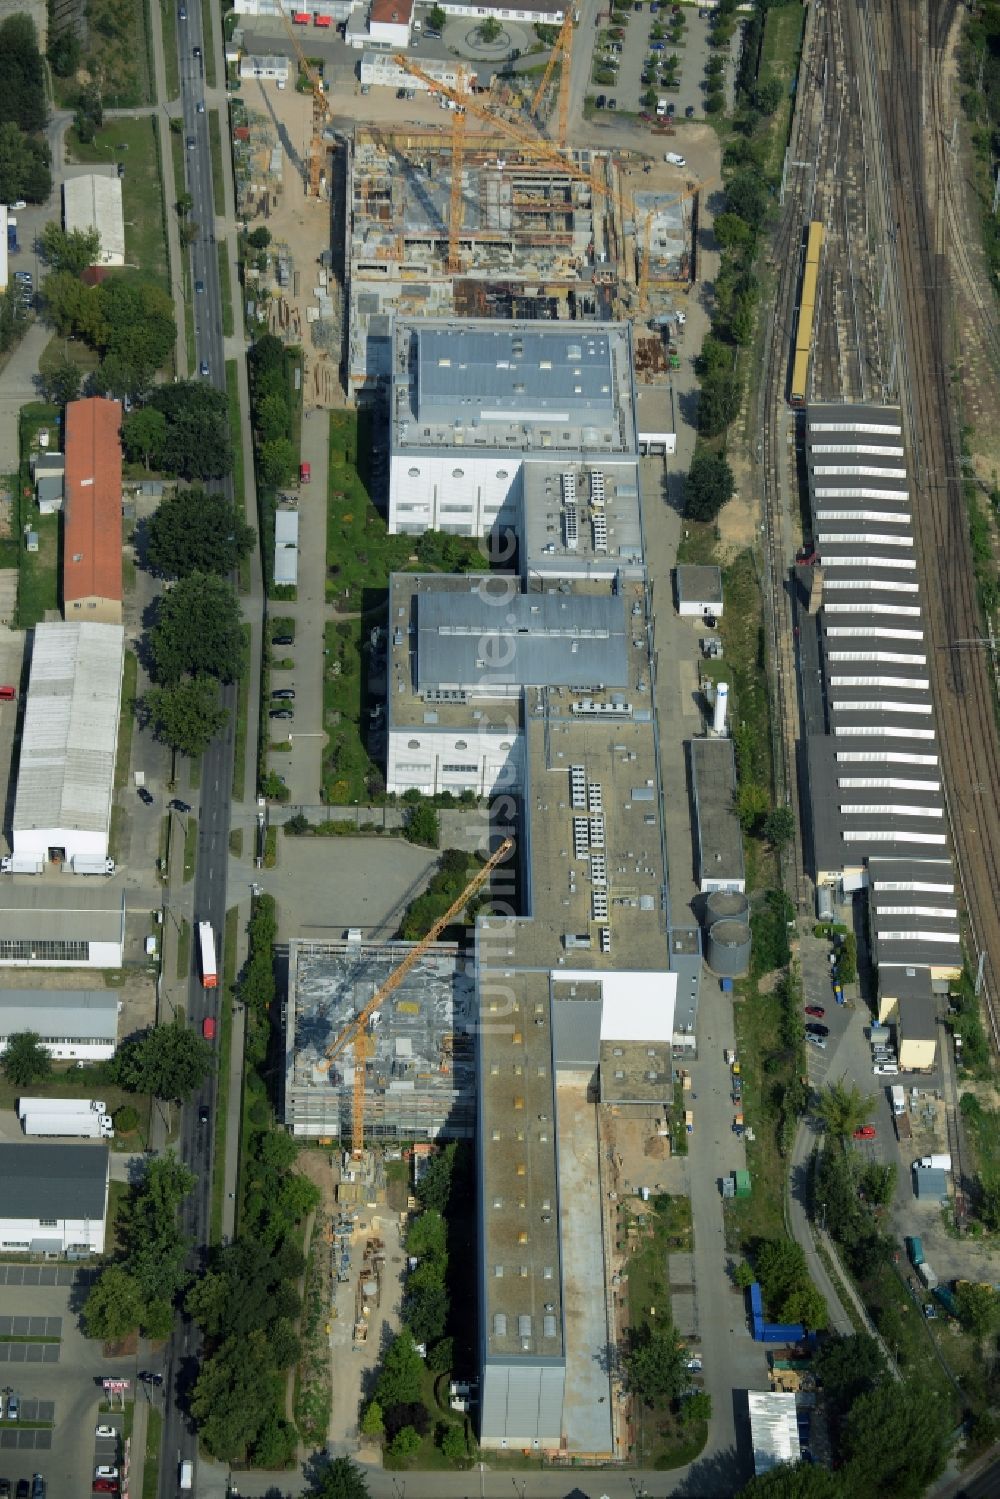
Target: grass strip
{"points": [[190, 848], [208, 37], [226, 291], [168, 26], [242, 708], [215, 145], [151, 1463], [126, 721], [225, 1046], [235, 427], [184, 948]]}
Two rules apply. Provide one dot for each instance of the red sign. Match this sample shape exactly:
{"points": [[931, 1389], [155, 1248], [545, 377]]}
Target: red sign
{"points": [[322, 20], [301, 17]]}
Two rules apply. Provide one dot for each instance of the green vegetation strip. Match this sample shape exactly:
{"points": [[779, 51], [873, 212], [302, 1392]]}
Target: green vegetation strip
{"points": [[209, 46], [142, 189], [242, 710], [215, 142], [184, 948], [225, 1039], [190, 848], [168, 25], [151, 1466], [239, 491], [226, 291]]}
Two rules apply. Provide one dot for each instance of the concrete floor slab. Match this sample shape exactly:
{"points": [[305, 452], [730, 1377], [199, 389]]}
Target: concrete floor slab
{"points": [[587, 1406], [324, 885]]}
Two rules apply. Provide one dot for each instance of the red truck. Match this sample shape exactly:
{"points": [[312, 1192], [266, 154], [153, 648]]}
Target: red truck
{"points": [[305, 473]]}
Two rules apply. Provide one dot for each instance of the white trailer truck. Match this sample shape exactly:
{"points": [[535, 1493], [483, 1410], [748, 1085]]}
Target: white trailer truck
{"points": [[60, 1106], [68, 1126]]}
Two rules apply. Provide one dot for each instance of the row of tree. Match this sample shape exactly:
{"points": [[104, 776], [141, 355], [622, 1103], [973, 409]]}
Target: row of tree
{"points": [[127, 321], [789, 1295], [181, 430], [194, 643], [271, 410], [24, 153]]}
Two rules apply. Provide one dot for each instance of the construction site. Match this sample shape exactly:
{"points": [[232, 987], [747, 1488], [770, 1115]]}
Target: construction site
{"points": [[418, 1057], [517, 231]]}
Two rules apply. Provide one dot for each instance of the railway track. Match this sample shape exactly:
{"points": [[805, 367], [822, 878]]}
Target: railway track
{"points": [[921, 204]]}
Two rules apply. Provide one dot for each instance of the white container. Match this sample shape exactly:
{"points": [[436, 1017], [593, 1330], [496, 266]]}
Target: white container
{"points": [[940, 1162]]}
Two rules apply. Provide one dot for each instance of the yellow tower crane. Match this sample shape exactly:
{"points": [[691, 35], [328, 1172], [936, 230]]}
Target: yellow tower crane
{"points": [[455, 213], [356, 1032], [563, 49], [321, 111]]}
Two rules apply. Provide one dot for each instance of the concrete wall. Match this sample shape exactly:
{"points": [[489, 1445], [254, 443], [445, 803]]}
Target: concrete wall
{"points": [[17, 1234]]}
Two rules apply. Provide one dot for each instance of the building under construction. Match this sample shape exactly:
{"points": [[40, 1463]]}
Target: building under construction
{"points": [[420, 1063], [532, 240]]}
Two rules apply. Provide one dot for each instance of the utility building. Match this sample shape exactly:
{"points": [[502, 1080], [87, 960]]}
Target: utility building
{"points": [[66, 769], [53, 1199], [92, 536], [67, 924]]}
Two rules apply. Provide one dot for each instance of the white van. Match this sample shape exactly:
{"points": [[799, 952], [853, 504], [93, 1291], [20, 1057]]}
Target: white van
{"points": [[661, 107], [185, 1478], [672, 156]]}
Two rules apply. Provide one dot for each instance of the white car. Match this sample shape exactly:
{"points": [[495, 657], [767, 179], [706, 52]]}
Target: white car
{"points": [[106, 1431], [105, 1471], [16, 207], [694, 1365], [885, 1069]]}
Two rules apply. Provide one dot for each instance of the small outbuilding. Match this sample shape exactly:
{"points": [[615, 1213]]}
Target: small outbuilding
{"points": [[699, 591], [930, 1183]]}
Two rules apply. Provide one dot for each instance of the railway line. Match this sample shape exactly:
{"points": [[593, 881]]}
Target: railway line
{"points": [[921, 205]]}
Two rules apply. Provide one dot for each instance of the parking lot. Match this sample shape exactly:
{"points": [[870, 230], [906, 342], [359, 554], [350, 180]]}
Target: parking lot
{"points": [[640, 68]]}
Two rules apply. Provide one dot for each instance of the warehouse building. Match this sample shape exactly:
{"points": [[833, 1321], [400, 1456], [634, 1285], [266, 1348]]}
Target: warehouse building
{"points": [[421, 1045], [53, 1199], [73, 1025], [774, 1429], [93, 200], [715, 823], [61, 924], [66, 768], [472, 402], [92, 527]]}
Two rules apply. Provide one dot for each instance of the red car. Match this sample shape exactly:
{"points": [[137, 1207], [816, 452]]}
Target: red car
{"points": [[866, 1132], [815, 1010]]}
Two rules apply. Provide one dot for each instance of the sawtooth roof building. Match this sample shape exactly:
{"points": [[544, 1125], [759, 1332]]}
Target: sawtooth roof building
{"points": [[66, 769]]}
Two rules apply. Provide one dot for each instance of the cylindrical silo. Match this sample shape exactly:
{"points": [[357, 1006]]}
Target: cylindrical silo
{"points": [[727, 951], [726, 904]]}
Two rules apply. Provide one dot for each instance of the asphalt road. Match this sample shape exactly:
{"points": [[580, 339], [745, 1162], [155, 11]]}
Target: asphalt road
{"points": [[196, 1139]]}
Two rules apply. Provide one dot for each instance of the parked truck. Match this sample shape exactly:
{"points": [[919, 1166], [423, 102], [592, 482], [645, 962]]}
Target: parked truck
{"points": [[75, 1126], [898, 1095], [60, 1106], [946, 1296], [927, 1275], [915, 1249]]}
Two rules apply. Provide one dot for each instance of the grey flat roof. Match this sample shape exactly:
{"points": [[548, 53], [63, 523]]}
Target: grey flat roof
{"points": [[718, 841], [53, 1181], [516, 371], [65, 1013], [703, 583], [536, 639], [37, 907]]}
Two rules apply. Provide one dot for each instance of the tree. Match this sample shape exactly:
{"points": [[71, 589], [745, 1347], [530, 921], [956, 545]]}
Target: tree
{"points": [[198, 442], [62, 380], [402, 1373], [452, 1442], [187, 715], [844, 1109], [427, 1235], [26, 1060], [489, 31], [259, 238], [746, 195], [847, 959], [70, 250], [441, 1357], [709, 486], [24, 166], [144, 432], [733, 233], [192, 531], [169, 1061], [895, 1440], [198, 631], [788, 1291], [126, 1119], [434, 1187], [802, 1480], [114, 1305], [277, 462], [779, 826], [437, 19], [849, 1367], [718, 404], [768, 95], [743, 1276], [22, 75], [405, 1444], [342, 1479], [425, 1311], [64, 52], [423, 826], [978, 1308], [697, 1407], [372, 1424], [656, 1365]]}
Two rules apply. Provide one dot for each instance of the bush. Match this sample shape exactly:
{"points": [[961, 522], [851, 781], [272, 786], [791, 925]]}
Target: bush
{"points": [[709, 486], [126, 1120]]}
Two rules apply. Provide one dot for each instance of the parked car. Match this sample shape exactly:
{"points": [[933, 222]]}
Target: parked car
{"points": [[612, 103], [817, 1030], [202, 1119], [106, 1431], [145, 796], [283, 640], [105, 1471], [179, 806], [4, 1488], [203, 367], [285, 694], [885, 1069], [600, 101], [816, 1010], [281, 713], [13, 1406], [23, 1489], [694, 1364], [866, 1132], [689, 112], [819, 1041]]}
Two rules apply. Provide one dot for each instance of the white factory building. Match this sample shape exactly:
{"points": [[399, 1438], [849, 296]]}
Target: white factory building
{"points": [[474, 402], [66, 770], [73, 1025], [61, 923], [93, 200], [53, 1199]]}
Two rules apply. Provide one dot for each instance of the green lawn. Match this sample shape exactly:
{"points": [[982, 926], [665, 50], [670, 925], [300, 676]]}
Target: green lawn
{"points": [[190, 848], [762, 1213], [215, 141], [168, 23], [226, 291], [126, 720], [184, 948], [151, 1466], [242, 709], [118, 53], [983, 1132], [38, 583], [208, 49], [235, 427], [135, 143], [783, 25]]}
